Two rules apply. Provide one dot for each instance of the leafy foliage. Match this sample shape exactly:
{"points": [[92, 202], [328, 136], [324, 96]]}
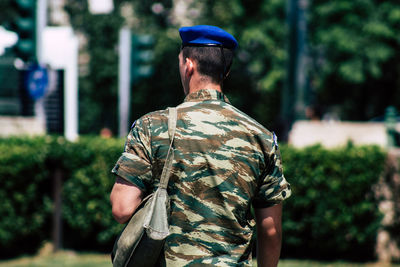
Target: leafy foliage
{"points": [[25, 195], [27, 166], [259, 66], [98, 93], [332, 213], [353, 56], [87, 208], [354, 46], [6, 17], [98, 90]]}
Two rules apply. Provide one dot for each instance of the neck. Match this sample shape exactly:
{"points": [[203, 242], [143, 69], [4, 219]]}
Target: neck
{"points": [[198, 82]]}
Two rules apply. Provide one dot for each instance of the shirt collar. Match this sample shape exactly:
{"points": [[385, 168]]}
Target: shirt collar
{"points": [[206, 94]]}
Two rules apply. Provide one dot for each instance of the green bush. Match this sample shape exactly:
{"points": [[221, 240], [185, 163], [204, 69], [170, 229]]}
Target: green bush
{"points": [[332, 213], [27, 168], [86, 204], [24, 192]]}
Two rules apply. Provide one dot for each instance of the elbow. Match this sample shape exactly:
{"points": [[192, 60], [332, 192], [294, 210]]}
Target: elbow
{"points": [[270, 230], [273, 233], [121, 214], [271, 239], [124, 200]]}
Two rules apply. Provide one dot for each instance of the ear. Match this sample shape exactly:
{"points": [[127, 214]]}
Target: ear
{"points": [[190, 66]]}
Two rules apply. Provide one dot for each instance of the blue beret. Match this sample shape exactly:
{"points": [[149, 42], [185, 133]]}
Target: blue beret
{"points": [[206, 35]]}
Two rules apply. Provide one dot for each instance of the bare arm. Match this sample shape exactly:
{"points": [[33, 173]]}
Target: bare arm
{"points": [[269, 235], [125, 198]]}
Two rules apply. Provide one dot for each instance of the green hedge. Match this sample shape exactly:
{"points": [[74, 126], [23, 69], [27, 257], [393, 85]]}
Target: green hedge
{"points": [[332, 213], [26, 187], [24, 194], [86, 203]]}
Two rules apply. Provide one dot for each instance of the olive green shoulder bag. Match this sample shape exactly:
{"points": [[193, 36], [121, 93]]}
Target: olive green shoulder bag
{"points": [[141, 241]]}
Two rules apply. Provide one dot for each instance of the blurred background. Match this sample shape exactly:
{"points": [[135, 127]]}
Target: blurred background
{"points": [[324, 75]]}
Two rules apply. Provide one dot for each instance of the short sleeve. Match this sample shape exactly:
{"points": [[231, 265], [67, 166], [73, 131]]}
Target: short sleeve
{"points": [[273, 187], [134, 165]]}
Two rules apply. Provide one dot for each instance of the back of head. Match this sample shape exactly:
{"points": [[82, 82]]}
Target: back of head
{"points": [[210, 61], [211, 48]]}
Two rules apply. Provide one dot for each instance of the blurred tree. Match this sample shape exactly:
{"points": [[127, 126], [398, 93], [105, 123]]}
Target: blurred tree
{"points": [[353, 56], [7, 17], [98, 90], [163, 88], [354, 47], [259, 70]]}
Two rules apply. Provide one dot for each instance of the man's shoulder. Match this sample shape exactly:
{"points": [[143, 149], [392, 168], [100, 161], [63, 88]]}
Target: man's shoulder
{"points": [[157, 114], [250, 123], [152, 118]]}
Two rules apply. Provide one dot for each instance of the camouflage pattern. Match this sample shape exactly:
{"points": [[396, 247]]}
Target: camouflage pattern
{"points": [[224, 161]]}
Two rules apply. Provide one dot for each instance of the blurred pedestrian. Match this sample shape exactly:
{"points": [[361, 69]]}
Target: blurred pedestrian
{"points": [[224, 163], [106, 132]]}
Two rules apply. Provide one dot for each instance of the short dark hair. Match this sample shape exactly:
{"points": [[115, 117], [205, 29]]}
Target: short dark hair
{"points": [[210, 61]]}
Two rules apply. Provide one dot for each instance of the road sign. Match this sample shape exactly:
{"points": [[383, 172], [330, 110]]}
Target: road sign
{"points": [[36, 81]]}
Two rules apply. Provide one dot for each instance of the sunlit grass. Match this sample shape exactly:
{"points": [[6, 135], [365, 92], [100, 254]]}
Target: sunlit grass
{"points": [[73, 259], [61, 259], [306, 263]]}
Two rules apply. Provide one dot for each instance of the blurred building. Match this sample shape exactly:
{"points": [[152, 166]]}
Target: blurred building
{"points": [[22, 114], [57, 14], [19, 113], [332, 134]]}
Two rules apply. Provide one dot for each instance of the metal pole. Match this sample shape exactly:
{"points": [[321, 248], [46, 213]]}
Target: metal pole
{"points": [[289, 88], [294, 94], [57, 220], [41, 22], [125, 42], [71, 90], [301, 60]]}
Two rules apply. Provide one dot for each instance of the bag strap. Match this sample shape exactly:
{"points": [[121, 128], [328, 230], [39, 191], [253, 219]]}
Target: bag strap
{"points": [[172, 118]]}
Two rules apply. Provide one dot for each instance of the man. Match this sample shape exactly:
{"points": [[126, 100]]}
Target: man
{"points": [[224, 162]]}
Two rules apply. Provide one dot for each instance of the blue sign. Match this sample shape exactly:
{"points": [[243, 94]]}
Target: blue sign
{"points": [[36, 81]]}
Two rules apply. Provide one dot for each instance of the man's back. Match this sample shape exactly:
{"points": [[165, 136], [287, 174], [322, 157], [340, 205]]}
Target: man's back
{"points": [[223, 161]]}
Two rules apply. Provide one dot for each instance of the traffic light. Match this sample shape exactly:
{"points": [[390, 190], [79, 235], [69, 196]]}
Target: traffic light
{"points": [[24, 25], [142, 56]]}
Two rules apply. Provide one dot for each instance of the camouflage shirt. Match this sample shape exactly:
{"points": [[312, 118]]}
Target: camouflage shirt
{"points": [[224, 161]]}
